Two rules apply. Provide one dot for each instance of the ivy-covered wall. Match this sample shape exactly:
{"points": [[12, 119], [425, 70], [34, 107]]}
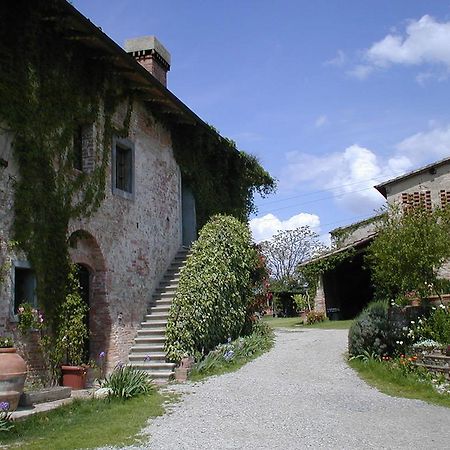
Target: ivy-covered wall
{"points": [[51, 83]]}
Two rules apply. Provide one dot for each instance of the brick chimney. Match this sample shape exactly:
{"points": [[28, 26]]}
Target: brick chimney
{"points": [[151, 54]]}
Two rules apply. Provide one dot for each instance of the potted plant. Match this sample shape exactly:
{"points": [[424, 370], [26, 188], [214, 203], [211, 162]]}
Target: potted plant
{"points": [[72, 333], [13, 372]]}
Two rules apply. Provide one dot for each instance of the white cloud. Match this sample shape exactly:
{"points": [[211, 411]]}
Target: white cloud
{"points": [[349, 175], [338, 61], [321, 120], [433, 144], [265, 227], [361, 71], [424, 42]]}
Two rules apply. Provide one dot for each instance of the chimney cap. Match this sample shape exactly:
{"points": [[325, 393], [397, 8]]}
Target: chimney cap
{"points": [[144, 43]]}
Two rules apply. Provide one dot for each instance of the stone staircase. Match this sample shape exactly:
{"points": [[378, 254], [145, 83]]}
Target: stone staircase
{"points": [[147, 352]]}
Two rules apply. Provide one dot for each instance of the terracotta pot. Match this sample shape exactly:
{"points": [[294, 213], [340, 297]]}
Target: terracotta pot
{"points": [[74, 377], [13, 371]]}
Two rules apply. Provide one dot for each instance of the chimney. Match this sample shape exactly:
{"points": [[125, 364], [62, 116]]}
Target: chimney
{"points": [[151, 54]]}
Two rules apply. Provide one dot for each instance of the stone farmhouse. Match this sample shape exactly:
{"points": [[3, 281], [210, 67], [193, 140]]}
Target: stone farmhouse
{"points": [[344, 291], [131, 246]]}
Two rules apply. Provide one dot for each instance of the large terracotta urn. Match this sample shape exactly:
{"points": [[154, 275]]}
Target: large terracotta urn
{"points": [[13, 372]]}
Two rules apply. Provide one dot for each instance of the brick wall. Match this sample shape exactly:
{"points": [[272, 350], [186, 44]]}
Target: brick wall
{"points": [[130, 242]]}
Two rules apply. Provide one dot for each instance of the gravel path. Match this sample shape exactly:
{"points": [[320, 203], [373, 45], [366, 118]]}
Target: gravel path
{"points": [[299, 395]]}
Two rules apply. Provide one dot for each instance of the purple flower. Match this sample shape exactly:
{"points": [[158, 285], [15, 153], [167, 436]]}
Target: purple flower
{"points": [[228, 355], [119, 365], [101, 354], [147, 358], [4, 406]]}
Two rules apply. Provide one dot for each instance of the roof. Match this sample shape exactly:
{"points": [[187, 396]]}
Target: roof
{"points": [[357, 244], [358, 224], [428, 168], [78, 28]]}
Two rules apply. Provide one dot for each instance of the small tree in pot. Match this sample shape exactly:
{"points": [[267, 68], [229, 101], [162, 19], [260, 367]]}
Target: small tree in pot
{"points": [[72, 333]]}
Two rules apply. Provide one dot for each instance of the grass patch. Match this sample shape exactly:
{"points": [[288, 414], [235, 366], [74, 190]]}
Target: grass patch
{"points": [[394, 382], [86, 424], [296, 322], [233, 355]]}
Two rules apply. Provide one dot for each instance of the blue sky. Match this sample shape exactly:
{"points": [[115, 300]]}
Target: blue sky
{"points": [[332, 96]]}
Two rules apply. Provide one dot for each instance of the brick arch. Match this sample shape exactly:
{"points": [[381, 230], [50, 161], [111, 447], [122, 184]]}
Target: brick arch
{"points": [[84, 250]]}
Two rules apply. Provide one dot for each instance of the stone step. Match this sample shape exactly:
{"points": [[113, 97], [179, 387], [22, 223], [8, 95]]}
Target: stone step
{"points": [[151, 324], [158, 315], [160, 377], [162, 302], [148, 348], [148, 340], [161, 295], [169, 288], [155, 357], [158, 309], [152, 332], [153, 366]]}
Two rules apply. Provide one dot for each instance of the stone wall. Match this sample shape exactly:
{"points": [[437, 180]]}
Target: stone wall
{"points": [[128, 244]]}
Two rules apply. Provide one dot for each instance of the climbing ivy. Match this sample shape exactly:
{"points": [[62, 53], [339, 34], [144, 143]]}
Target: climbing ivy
{"points": [[311, 272], [50, 84], [224, 180], [49, 88]]}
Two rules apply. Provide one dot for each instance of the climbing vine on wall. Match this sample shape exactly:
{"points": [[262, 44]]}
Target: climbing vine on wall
{"points": [[224, 180], [310, 273], [49, 88]]}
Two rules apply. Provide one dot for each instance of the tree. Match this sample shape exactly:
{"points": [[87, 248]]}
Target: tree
{"points": [[410, 248], [286, 250]]}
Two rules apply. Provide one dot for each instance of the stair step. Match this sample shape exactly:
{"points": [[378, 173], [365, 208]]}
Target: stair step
{"points": [[163, 295], [148, 348], [152, 332], [148, 357], [152, 324], [156, 367], [145, 340], [158, 315], [167, 288], [156, 309]]}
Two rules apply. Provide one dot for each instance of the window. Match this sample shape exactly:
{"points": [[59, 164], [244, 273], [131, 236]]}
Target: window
{"points": [[24, 285], [123, 168]]}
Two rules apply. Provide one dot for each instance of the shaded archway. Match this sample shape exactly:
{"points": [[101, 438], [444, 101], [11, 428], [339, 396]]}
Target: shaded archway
{"points": [[86, 253]]}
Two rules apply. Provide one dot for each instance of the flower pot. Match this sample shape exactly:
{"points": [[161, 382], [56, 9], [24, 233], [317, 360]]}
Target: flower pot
{"points": [[74, 377], [13, 371]]}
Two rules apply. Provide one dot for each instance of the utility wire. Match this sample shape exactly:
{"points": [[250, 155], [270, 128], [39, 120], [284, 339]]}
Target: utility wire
{"points": [[319, 191], [265, 211]]}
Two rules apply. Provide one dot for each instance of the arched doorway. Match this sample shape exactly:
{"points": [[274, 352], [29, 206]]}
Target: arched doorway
{"points": [[87, 255], [84, 279]]}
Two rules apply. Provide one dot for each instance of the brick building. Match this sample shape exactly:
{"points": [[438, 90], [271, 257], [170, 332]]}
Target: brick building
{"points": [[344, 291], [149, 211]]}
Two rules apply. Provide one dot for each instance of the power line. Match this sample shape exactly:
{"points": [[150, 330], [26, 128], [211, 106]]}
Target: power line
{"points": [[314, 201], [319, 191]]}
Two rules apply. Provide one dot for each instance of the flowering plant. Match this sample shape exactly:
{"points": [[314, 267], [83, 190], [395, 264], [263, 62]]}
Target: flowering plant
{"points": [[5, 417], [29, 318], [6, 342]]}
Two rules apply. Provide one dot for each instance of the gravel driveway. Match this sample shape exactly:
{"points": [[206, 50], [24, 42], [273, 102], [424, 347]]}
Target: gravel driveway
{"points": [[299, 395]]}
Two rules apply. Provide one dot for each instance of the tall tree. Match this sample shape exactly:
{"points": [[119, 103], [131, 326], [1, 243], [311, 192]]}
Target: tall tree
{"points": [[287, 249]]}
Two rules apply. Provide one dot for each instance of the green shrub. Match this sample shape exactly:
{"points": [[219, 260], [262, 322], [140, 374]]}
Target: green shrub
{"points": [[127, 381], [435, 326], [315, 317], [214, 291], [238, 351], [371, 332]]}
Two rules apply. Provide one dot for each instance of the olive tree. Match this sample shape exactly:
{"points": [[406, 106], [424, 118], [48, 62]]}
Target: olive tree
{"points": [[410, 248]]}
